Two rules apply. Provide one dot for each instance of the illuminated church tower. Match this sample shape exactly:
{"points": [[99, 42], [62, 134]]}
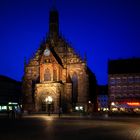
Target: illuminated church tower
{"points": [[56, 76]]}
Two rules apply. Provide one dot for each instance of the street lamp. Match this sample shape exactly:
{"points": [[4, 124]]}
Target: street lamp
{"points": [[90, 107], [49, 101]]}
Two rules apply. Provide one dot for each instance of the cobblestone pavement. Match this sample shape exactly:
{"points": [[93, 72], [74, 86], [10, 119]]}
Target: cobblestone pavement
{"points": [[43, 127]]}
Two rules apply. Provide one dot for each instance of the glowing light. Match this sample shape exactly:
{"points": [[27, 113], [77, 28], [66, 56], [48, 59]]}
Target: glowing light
{"points": [[105, 109], [133, 103], [76, 108], [81, 107], [112, 103], [4, 107], [89, 102], [49, 99], [12, 103], [114, 109]]}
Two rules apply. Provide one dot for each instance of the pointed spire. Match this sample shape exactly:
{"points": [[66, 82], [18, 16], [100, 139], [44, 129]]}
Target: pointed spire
{"points": [[54, 23]]}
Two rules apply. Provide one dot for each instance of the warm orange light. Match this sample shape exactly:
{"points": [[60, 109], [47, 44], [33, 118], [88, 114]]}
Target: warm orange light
{"points": [[133, 103]]}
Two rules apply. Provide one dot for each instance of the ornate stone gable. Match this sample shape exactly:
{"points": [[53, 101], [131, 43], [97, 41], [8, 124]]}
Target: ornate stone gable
{"points": [[55, 71]]}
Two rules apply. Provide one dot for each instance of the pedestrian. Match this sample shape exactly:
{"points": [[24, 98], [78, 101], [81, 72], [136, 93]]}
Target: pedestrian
{"points": [[60, 112]]}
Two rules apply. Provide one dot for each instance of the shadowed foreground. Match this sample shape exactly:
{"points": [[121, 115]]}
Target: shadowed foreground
{"points": [[42, 127]]}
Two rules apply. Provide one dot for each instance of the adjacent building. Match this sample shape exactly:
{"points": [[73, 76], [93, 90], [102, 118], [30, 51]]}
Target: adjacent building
{"points": [[102, 98], [124, 84], [56, 77], [10, 93]]}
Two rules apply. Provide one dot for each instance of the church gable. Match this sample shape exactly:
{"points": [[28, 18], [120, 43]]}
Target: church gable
{"points": [[56, 70], [50, 66], [66, 52], [50, 56]]}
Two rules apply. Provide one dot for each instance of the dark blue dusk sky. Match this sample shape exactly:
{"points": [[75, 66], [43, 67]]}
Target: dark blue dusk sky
{"points": [[104, 29]]}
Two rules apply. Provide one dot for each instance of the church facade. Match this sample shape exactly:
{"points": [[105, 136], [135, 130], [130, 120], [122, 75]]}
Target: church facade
{"points": [[56, 77]]}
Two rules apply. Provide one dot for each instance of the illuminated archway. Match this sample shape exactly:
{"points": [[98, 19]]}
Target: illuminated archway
{"points": [[47, 104]]}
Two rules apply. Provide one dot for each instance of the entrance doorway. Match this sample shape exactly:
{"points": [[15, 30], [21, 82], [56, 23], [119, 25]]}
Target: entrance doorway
{"points": [[44, 106], [48, 105]]}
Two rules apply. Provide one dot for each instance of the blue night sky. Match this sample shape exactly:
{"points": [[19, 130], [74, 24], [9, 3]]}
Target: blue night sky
{"points": [[104, 29]]}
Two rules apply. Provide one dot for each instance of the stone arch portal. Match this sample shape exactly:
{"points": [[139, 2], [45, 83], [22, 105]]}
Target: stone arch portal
{"points": [[47, 102]]}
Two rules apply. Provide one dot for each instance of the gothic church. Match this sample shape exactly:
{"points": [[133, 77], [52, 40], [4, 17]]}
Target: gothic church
{"points": [[56, 76]]}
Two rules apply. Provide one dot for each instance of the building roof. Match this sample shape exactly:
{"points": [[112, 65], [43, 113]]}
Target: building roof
{"points": [[6, 79], [10, 90], [123, 66], [56, 56]]}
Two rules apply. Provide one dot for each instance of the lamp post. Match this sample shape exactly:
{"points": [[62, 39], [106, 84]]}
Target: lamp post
{"points": [[49, 102], [90, 107]]}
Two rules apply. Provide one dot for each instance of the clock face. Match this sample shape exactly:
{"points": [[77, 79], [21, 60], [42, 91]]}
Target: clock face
{"points": [[47, 52]]}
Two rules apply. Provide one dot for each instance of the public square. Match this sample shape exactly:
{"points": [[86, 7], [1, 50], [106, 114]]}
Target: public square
{"points": [[44, 127]]}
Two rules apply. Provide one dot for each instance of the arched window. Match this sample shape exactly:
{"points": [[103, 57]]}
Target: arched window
{"points": [[47, 75], [54, 74], [74, 89]]}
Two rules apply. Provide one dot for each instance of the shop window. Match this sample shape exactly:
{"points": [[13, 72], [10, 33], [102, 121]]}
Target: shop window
{"points": [[118, 80], [130, 79], [137, 79], [124, 80], [112, 81]]}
